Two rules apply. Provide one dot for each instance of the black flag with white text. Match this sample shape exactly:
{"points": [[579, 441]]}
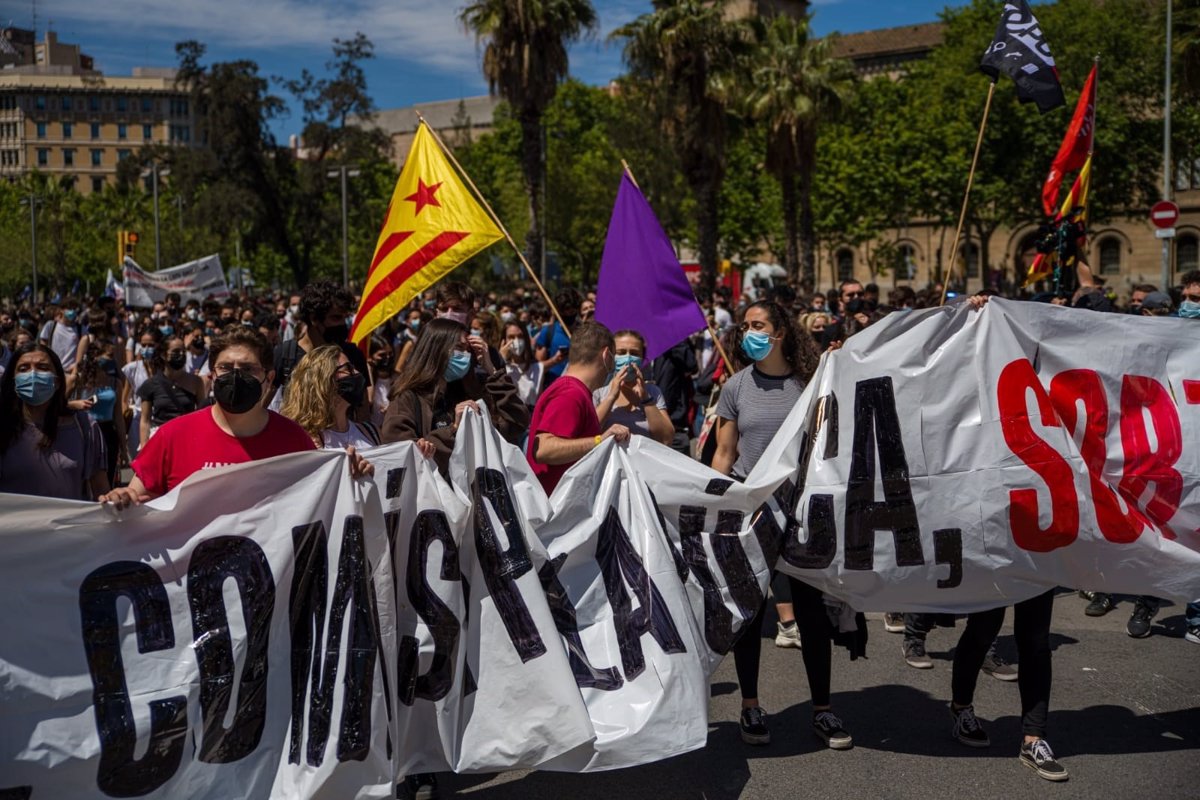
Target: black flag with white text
{"points": [[1020, 51]]}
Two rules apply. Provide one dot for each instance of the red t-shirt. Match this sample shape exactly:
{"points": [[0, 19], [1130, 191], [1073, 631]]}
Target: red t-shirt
{"points": [[194, 442], [566, 411]]}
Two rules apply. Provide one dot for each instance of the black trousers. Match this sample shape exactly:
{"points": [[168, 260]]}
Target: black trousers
{"points": [[1031, 628], [815, 640]]}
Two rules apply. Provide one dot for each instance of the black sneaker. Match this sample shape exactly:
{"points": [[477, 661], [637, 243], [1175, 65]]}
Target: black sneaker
{"points": [[915, 655], [1038, 756], [828, 728], [1085, 594], [997, 667], [421, 786], [1101, 604], [1193, 634], [754, 726], [1139, 623], [967, 728]]}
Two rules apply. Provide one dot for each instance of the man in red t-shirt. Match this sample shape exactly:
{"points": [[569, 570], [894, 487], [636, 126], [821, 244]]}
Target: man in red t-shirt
{"points": [[239, 428], [565, 427]]}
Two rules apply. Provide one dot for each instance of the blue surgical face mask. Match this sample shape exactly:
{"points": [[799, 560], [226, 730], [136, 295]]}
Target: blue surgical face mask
{"points": [[1189, 309], [458, 366], [628, 360], [69, 316], [756, 344], [166, 330], [476, 332], [147, 353], [35, 387], [414, 324]]}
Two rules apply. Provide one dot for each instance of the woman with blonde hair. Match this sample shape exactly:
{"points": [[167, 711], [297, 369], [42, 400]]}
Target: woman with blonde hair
{"points": [[324, 388]]}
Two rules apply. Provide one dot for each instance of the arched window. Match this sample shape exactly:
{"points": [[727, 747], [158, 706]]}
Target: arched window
{"points": [[906, 262], [1025, 255], [1110, 256], [845, 264], [969, 256], [1187, 253]]}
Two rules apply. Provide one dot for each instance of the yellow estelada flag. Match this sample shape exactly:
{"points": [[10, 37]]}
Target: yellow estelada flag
{"points": [[1076, 200], [432, 225]]}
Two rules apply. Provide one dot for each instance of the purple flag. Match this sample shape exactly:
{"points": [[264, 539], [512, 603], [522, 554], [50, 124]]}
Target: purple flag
{"points": [[642, 285]]}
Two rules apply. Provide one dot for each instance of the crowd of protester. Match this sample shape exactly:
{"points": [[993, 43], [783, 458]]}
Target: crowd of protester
{"points": [[91, 391]]}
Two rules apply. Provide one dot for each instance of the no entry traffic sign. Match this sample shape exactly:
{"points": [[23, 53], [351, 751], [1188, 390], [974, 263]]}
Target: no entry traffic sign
{"points": [[1164, 214]]}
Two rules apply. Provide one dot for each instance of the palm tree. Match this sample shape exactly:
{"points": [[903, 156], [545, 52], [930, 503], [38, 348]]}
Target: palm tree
{"points": [[795, 85], [685, 52], [524, 60]]}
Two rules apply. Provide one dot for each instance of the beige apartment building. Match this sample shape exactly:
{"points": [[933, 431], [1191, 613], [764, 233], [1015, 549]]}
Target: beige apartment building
{"points": [[60, 116]]}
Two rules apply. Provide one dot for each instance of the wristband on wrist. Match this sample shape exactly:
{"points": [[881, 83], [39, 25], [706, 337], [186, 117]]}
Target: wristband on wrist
{"points": [[599, 439]]}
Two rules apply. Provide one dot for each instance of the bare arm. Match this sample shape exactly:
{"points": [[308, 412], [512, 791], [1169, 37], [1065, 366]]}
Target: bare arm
{"points": [[727, 442], [661, 427], [144, 424], [551, 449], [133, 494]]}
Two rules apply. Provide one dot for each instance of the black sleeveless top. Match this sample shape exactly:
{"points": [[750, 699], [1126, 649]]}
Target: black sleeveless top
{"points": [[168, 399]]}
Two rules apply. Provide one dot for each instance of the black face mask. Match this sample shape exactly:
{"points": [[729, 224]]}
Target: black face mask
{"points": [[352, 389], [177, 361], [237, 392], [336, 334]]}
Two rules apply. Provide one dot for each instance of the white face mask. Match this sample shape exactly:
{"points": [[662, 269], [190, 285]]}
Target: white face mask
{"points": [[518, 347], [458, 316]]}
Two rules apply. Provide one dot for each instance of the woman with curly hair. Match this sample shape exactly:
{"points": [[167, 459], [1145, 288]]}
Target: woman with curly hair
{"points": [[324, 388], [753, 406]]}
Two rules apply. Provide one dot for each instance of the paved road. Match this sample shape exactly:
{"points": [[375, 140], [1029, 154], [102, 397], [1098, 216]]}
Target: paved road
{"points": [[1124, 719]]}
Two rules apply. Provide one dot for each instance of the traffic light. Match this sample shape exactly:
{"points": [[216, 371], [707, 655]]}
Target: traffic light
{"points": [[126, 245]]}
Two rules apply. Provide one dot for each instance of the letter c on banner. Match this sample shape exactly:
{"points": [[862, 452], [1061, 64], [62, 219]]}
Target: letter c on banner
{"points": [[1016, 380], [119, 775]]}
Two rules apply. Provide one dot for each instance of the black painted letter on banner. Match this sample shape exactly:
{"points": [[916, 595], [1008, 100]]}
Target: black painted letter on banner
{"points": [[947, 549], [877, 430], [718, 619], [562, 610], [502, 567], [620, 564], [430, 526], [213, 561], [119, 775]]}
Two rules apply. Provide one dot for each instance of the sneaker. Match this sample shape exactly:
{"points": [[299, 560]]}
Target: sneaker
{"points": [[1086, 595], [967, 728], [893, 623], [1193, 634], [1139, 623], [828, 728], [1101, 604], [421, 786], [998, 668], [914, 654], [1038, 756], [788, 635], [754, 726]]}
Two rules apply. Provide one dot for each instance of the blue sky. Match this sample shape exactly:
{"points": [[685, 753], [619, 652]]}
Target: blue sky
{"points": [[422, 53]]}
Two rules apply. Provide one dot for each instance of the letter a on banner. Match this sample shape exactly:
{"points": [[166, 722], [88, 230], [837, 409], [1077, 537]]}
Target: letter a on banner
{"points": [[433, 224]]}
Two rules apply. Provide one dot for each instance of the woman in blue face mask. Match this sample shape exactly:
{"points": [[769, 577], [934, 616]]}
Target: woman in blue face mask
{"points": [[135, 373], [445, 375], [753, 406], [93, 388], [46, 449], [628, 400]]}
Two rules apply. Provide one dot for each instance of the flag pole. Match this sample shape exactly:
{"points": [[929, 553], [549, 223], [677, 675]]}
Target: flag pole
{"points": [[962, 217], [711, 330], [479, 196]]}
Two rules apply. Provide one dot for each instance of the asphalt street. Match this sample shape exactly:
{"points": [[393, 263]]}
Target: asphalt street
{"points": [[1124, 720]]}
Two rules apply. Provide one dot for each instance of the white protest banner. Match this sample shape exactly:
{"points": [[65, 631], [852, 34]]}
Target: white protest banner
{"points": [[194, 280]]}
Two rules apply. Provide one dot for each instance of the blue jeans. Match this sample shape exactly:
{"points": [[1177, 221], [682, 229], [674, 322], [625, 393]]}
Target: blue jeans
{"points": [[1193, 614]]}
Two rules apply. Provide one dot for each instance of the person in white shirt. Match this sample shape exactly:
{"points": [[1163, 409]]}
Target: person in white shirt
{"points": [[525, 371], [137, 372], [61, 334], [323, 388]]}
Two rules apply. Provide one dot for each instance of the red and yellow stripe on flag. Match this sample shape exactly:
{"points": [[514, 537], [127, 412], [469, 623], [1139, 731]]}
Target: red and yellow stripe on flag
{"points": [[1043, 266], [433, 224]]}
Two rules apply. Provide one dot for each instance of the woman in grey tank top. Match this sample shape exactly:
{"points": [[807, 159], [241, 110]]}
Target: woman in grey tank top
{"points": [[753, 405]]}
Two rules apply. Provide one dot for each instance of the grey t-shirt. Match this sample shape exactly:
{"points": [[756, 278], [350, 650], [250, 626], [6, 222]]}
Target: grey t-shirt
{"points": [[758, 404], [634, 419], [60, 471]]}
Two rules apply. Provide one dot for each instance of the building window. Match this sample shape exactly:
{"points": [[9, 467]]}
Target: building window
{"points": [[43, 157], [970, 257], [181, 133], [906, 262], [122, 155], [94, 102], [66, 104], [97, 158], [97, 183], [95, 130], [845, 265], [68, 129], [41, 130], [147, 132], [68, 157], [122, 131], [1110, 256], [1187, 253], [39, 102], [122, 103], [147, 105]]}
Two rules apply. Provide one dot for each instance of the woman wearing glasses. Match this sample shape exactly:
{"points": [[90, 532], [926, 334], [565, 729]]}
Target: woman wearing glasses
{"points": [[321, 396], [238, 428]]}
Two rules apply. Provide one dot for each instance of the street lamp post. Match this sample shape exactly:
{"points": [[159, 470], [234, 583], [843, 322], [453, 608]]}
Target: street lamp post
{"points": [[32, 200], [344, 172], [153, 174], [1166, 243]]}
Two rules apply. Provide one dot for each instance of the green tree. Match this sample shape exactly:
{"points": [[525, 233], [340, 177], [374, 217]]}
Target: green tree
{"points": [[524, 60], [794, 86], [684, 54]]}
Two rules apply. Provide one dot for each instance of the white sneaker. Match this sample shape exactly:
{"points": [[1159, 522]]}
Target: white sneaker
{"points": [[787, 636], [893, 623]]}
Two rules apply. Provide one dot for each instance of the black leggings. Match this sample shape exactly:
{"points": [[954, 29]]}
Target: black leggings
{"points": [[1031, 628], [815, 640]]}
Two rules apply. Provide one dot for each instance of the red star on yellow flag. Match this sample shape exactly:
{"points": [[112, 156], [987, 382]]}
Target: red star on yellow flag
{"points": [[424, 196]]}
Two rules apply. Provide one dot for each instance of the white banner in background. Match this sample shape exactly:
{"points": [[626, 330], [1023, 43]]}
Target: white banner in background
{"points": [[277, 630], [194, 280]]}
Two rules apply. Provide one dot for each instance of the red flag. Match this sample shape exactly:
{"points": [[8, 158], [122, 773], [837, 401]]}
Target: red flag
{"points": [[1076, 146]]}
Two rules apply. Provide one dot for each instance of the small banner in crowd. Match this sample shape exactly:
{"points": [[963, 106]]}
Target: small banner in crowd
{"points": [[279, 630], [194, 280]]}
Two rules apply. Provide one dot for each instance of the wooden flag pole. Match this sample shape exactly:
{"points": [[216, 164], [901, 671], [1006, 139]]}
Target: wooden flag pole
{"points": [[711, 330], [962, 217], [479, 196]]}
